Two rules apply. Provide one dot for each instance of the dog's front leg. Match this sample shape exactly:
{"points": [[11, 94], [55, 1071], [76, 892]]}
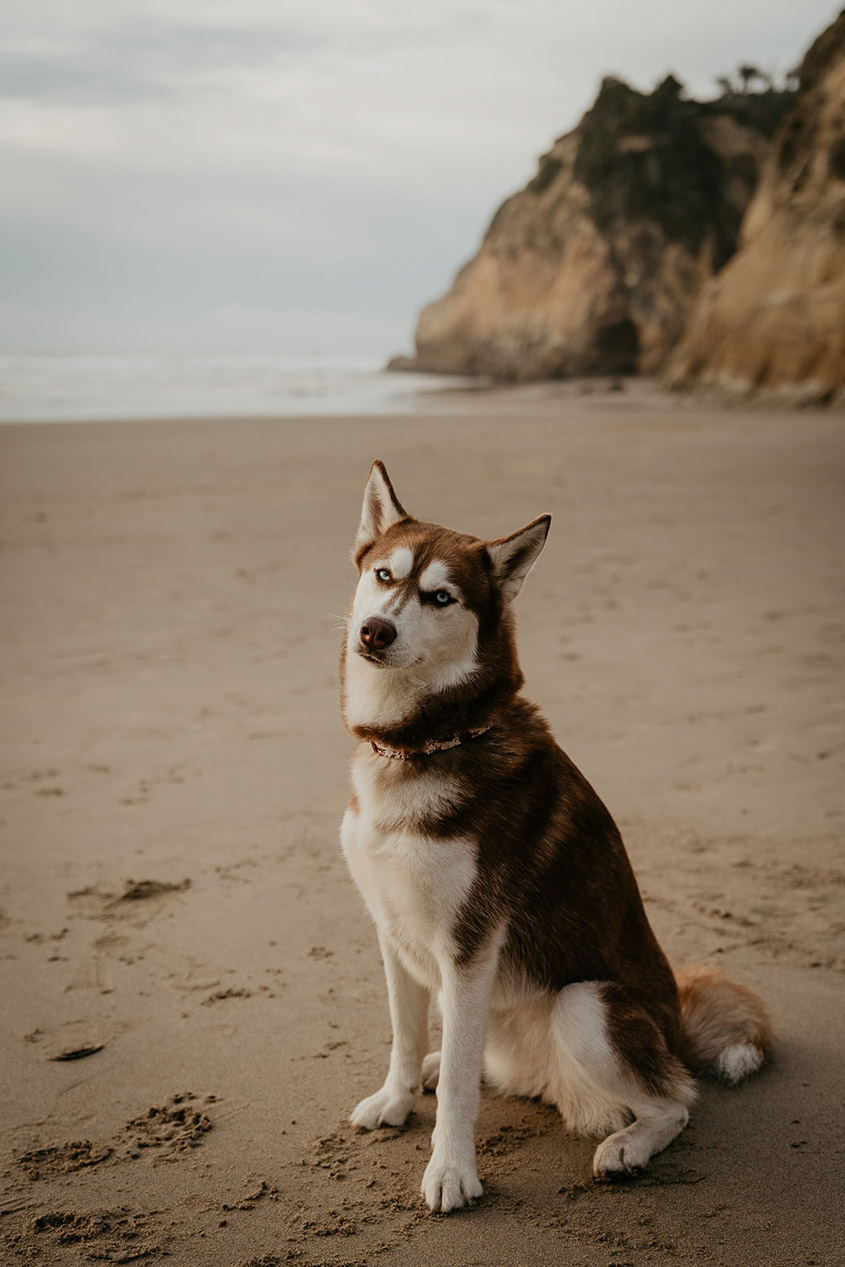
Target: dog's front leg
{"points": [[409, 1014], [451, 1179]]}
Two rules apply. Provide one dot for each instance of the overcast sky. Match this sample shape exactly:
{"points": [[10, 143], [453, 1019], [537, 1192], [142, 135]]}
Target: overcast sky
{"points": [[266, 176]]}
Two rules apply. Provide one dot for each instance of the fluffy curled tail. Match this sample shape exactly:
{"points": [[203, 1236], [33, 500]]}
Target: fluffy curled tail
{"points": [[726, 1029]]}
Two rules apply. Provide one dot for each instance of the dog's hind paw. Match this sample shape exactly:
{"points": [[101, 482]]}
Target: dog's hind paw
{"points": [[388, 1107], [628, 1151], [450, 1183], [431, 1071], [617, 1158]]}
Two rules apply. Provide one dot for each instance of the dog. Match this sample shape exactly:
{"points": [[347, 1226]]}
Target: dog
{"points": [[496, 877]]}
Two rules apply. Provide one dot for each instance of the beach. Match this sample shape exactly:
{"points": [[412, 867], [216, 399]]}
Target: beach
{"points": [[193, 995]]}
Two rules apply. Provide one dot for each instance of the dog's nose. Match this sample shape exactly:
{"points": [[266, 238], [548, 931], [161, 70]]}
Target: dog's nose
{"points": [[376, 634]]}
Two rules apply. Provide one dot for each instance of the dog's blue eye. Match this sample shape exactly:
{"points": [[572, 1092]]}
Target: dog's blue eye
{"points": [[442, 598], [383, 574]]}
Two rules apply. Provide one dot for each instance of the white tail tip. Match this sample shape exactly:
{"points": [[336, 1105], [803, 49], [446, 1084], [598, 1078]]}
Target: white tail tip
{"points": [[736, 1062]]}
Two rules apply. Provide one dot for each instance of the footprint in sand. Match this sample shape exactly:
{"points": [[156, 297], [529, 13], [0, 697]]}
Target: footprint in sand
{"points": [[138, 898]]}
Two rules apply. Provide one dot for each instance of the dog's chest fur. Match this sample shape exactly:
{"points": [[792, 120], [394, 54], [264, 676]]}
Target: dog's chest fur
{"points": [[414, 883]]}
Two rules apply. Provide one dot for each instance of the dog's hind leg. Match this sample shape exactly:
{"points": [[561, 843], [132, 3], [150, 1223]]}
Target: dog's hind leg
{"points": [[409, 1015], [626, 1151], [615, 1073]]}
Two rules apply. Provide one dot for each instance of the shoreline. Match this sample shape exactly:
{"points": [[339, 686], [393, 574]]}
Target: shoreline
{"points": [[574, 395]]}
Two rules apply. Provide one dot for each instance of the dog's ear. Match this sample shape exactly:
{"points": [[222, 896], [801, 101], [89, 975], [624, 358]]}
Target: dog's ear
{"points": [[381, 510], [513, 557]]}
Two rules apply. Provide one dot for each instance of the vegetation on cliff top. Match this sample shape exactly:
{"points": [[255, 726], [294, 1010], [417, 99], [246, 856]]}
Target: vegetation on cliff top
{"points": [[644, 156]]}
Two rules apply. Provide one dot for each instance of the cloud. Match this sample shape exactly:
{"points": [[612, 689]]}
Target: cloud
{"points": [[63, 129]]}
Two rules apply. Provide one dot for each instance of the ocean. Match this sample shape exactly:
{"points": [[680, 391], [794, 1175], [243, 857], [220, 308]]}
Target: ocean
{"points": [[74, 388]]}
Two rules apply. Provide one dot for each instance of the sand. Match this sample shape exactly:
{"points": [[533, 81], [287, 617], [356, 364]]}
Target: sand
{"points": [[192, 993]]}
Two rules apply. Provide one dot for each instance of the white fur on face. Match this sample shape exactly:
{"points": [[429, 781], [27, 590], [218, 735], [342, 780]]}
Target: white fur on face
{"points": [[435, 647], [400, 563], [435, 577]]}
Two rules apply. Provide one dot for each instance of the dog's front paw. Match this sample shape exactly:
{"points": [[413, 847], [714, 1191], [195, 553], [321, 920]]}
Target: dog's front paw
{"points": [[388, 1107], [450, 1182]]}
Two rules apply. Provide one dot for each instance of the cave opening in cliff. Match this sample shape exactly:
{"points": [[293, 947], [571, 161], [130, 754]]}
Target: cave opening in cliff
{"points": [[617, 348]]}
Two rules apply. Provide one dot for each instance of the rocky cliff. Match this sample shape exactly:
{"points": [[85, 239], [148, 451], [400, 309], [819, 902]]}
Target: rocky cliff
{"points": [[596, 265], [775, 317]]}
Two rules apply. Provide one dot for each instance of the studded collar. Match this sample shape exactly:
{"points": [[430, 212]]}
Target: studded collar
{"points": [[432, 745]]}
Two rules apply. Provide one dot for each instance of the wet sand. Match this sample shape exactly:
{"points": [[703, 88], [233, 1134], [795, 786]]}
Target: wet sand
{"points": [[192, 994]]}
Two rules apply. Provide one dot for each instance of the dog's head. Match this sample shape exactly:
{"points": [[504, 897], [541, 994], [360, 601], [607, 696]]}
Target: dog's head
{"points": [[426, 596]]}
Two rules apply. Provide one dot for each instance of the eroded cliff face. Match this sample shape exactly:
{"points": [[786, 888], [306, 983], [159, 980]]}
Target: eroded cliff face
{"points": [[775, 317], [595, 266]]}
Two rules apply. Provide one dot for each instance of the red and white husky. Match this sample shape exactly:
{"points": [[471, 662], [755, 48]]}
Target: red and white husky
{"points": [[496, 877]]}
